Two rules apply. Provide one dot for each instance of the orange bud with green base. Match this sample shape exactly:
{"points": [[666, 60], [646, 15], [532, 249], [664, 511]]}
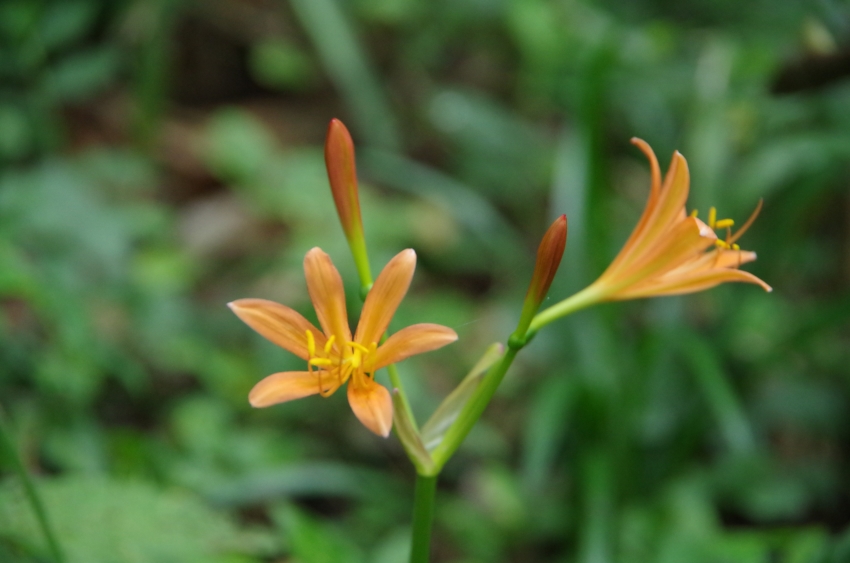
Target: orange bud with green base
{"points": [[342, 173]]}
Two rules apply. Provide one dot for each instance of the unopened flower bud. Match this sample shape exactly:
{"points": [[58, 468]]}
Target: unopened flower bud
{"points": [[549, 255], [342, 173]]}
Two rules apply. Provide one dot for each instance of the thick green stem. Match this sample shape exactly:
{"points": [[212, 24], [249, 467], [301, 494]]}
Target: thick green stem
{"points": [[7, 444], [423, 518], [473, 410]]}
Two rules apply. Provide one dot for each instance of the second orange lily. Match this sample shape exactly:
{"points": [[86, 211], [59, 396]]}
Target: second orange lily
{"points": [[666, 252], [333, 356]]}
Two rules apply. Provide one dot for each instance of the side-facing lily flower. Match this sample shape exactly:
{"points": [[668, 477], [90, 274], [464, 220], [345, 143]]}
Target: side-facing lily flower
{"points": [[670, 251], [333, 356]]}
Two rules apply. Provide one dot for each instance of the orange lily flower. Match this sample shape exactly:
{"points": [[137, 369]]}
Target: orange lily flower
{"points": [[672, 252], [333, 356]]}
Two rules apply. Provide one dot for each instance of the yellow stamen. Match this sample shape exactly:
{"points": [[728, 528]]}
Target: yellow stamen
{"points": [[311, 344], [724, 223], [736, 247], [712, 217], [329, 343], [372, 347], [694, 213], [356, 359], [749, 222], [320, 362], [360, 347], [721, 244]]}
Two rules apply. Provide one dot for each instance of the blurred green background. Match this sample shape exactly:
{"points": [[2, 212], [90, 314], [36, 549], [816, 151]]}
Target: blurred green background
{"points": [[159, 158]]}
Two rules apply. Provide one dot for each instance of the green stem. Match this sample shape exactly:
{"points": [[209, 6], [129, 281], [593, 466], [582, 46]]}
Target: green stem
{"points": [[584, 298], [7, 444], [395, 379], [473, 409], [423, 518]]}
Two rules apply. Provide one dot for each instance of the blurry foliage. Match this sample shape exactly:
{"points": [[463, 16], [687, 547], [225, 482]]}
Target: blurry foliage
{"points": [[161, 158]]}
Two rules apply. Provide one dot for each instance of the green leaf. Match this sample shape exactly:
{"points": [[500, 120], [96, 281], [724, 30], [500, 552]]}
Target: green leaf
{"points": [[312, 541], [81, 75], [410, 438], [448, 411], [103, 521], [278, 64], [238, 147], [64, 22]]}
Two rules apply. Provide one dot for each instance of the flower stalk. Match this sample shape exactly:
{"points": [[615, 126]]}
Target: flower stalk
{"points": [[423, 518]]}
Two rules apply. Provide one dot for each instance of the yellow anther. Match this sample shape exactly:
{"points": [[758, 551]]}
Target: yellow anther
{"points": [[356, 359], [712, 217], [694, 213], [736, 247], [721, 244], [724, 223], [358, 347], [311, 344], [372, 347], [329, 343], [320, 362]]}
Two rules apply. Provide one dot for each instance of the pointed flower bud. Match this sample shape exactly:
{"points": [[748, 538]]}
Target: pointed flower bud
{"points": [[342, 173], [549, 255]]}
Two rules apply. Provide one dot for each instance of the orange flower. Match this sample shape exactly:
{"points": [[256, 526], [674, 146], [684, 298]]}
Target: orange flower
{"points": [[671, 252], [333, 356]]}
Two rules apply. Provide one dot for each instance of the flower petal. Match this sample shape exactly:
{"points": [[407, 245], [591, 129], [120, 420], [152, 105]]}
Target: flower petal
{"points": [[326, 291], [287, 386], [714, 260], [278, 324], [409, 341], [686, 240], [652, 201], [372, 404], [690, 284], [385, 296], [674, 191]]}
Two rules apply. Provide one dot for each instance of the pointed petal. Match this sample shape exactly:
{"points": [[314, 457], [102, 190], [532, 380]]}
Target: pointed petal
{"points": [[734, 258], [652, 201], [278, 324], [372, 405], [674, 191], [717, 259], [385, 296], [713, 260], [690, 284], [409, 341], [685, 241], [326, 291], [674, 194], [286, 386]]}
